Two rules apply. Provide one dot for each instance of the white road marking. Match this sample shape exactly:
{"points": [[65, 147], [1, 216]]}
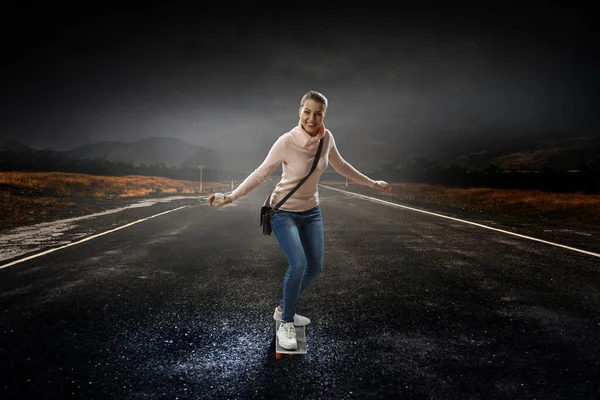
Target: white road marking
{"points": [[461, 220], [86, 239]]}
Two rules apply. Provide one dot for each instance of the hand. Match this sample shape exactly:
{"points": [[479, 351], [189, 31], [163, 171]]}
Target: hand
{"points": [[383, 185], [221, 199]]}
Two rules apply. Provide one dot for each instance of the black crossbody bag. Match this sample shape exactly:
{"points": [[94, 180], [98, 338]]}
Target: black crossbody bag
{"points": [[266, 211]]}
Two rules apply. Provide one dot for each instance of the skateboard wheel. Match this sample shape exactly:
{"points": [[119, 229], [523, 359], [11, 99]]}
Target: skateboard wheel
{"points": [[278, 355], [303, 356]]}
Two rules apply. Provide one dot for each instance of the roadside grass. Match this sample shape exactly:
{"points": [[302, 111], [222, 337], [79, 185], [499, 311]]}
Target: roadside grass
{"points": [[515, 202], [31, 197]]}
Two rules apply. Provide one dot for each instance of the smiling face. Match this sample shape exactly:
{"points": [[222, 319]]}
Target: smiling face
{"points": [[312, 114]]}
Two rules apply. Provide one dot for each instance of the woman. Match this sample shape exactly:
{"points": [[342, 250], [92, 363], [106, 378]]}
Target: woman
{"points": [[298, 225]]}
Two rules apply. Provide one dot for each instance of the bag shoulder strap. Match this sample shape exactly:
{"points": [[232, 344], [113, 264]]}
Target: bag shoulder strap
{"points": [[317, 156]]}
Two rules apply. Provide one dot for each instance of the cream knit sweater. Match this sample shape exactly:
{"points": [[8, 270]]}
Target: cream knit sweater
{"points": [[290, 150]]}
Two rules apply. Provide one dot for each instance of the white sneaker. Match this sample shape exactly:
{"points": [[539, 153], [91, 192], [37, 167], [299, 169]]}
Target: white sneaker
{"points": [[287, 336], [299, 320]]}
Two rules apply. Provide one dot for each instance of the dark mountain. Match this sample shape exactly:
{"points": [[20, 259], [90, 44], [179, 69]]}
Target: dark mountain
{"points": [[170, 152], [154, 150], [507, 151], [476, 150], [563, 154], [13, 145]]}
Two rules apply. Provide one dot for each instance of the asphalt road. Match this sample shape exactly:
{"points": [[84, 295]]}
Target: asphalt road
{"points": [[409, 305]]}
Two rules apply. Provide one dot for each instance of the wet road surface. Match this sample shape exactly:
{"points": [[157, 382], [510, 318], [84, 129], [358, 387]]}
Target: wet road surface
{"points": [[409, 305]]}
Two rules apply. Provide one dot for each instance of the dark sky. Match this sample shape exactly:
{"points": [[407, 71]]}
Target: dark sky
{"points": [[233, 77]]}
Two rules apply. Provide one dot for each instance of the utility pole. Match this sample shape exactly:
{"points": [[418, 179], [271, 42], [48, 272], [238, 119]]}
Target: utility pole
{"points": [[200, 167]]}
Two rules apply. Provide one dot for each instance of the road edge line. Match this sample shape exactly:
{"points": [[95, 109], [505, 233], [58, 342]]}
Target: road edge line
{"points": [[464, 221], [85, 239]]}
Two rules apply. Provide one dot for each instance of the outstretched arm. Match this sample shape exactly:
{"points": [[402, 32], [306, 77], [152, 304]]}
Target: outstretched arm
{"points": [[272, 161], [345, 169]]}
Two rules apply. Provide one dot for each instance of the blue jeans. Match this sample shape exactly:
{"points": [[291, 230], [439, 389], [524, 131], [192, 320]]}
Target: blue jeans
{"points": [[300, 235]]}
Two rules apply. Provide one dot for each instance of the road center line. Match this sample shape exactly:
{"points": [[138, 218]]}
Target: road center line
{"points": [[86, 239], [461, 220]]}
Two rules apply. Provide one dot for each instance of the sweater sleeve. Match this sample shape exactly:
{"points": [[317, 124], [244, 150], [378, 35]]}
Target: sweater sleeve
{"points": [[344, 168], [275, 157]]}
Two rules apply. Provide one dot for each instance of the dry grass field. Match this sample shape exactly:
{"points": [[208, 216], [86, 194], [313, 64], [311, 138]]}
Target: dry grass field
{"points": [[27, 198], [514, 202]]}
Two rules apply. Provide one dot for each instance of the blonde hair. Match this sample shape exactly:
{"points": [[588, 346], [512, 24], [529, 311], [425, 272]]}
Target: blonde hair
{"points": [[316, 96]]}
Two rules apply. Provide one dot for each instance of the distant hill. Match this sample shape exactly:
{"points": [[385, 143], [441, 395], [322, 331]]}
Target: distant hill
{"points": [[13, 145], [154, 150], [169, 152], [468, 150], [508, 151]]}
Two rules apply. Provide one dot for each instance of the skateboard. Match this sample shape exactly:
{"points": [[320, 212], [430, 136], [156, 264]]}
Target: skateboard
{"points": [[300, 339]]}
